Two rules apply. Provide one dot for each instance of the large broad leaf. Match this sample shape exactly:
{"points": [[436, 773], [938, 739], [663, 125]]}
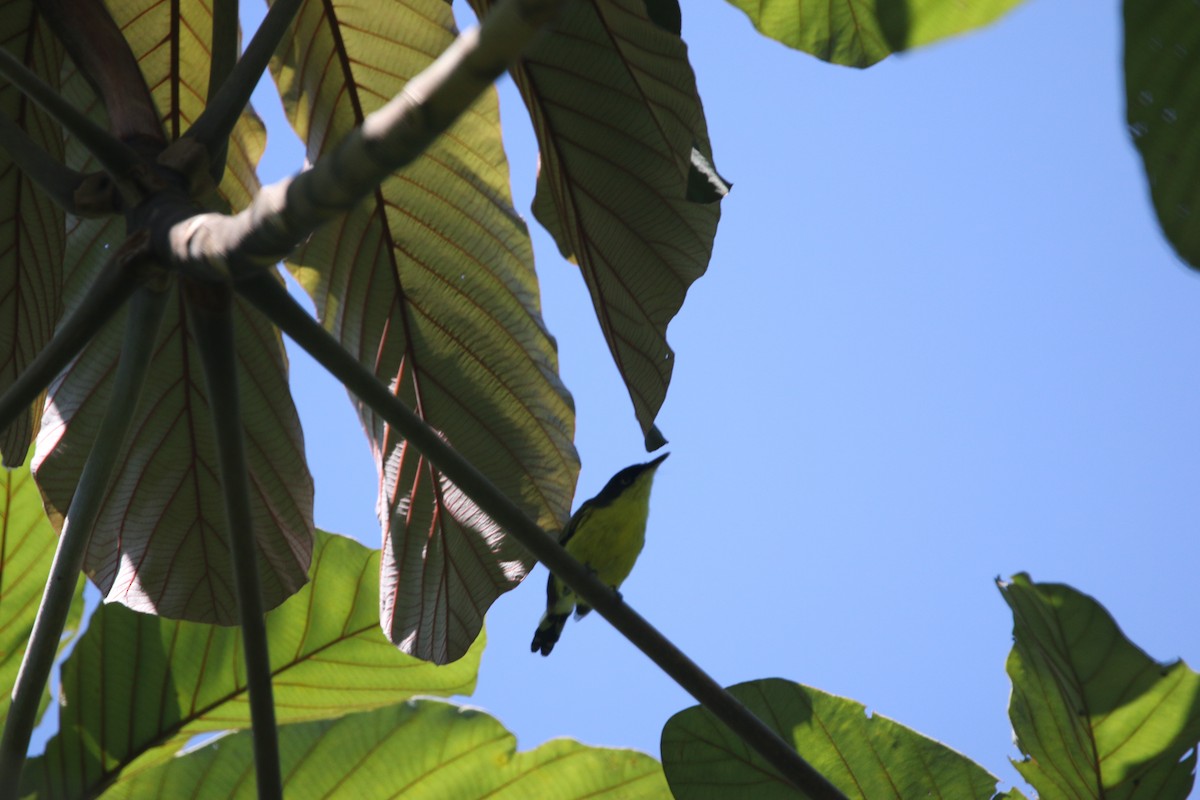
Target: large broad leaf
{"points": [[430, 283], [626, 184], [415, 750], [160, 544], [32, 232], [26, 550], [137, 687], [859, 33], [1094, 715], [1162, 89], [870, 757]]}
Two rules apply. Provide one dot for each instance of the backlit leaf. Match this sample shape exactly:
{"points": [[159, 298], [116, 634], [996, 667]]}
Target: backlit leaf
{"points": [[430, 283], [137, 687], [1094, 715], [626, 184], [859, 33]]}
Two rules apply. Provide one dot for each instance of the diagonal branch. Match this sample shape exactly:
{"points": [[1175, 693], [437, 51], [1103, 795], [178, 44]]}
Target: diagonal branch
{"points": [[229, 97], [117, 280], [273, 300], [56, 180], [141, 335], [211, 311], [117, 158], [283, 214]]}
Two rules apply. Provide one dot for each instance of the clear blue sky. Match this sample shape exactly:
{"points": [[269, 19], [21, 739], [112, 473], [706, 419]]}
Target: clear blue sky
{"points": [[941, 339]]}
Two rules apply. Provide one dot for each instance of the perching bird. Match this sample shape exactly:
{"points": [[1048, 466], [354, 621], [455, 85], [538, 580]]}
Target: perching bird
{"points": [[606, 535]]}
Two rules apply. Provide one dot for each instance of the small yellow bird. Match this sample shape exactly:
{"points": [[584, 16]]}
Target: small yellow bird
{"points": [[606, 535]]}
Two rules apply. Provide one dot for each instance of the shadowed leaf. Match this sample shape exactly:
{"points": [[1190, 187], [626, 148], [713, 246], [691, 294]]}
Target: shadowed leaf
{"points": [[626, 185], [430, 283], [137, 687], [32, 232], [868, 757], [1095, 716], [1162, 104], [415, 750], [159, 544], [859, 33]]}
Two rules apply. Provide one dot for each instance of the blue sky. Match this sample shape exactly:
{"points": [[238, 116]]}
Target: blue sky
{"points": [[941, 339]]}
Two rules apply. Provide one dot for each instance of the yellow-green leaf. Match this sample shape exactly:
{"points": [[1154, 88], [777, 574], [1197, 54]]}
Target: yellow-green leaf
{"points": [[869, 757], [137, 686], [859, 33], [430, 283], [1094, 715], [420, 749], [26, 549]]}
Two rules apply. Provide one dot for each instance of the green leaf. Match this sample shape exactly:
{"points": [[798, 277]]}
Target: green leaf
{"points": [[32, 232], [27, 545], [137, 687], [626, 185], [859, 33], [430, 283], [870, 757], [1094, 715], [1162, 89], [419, 749]]}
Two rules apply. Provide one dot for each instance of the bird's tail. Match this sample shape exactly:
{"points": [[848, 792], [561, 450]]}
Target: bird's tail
{"points": [[548, 631]]}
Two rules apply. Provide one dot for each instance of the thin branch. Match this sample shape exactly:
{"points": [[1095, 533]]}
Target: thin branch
{"points": [[116, 282], [224, 57], [283, 214], [215, 123], [141, 335], [211, 311], [117, 158], [57, 181], [273, 300]]}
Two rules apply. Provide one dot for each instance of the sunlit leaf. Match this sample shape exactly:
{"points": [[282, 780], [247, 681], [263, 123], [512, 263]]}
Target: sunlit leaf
{"points": [[160, 542], [1095, 716], [138, 686], [26, 549], [32, 232], [868, 757], [430, 283], [419, 749], [859, 33], [626, 184], [1162, 103]]}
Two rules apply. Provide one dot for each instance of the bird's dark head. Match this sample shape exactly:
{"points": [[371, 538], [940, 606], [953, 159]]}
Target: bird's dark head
{"points": [[626, 478]]}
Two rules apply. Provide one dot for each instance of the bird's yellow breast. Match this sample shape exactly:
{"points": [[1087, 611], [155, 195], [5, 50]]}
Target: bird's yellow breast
{"points": [[609, 538]]}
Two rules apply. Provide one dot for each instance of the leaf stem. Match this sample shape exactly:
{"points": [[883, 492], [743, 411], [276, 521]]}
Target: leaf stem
{"points": [[229, 98], [117, 158], [141, 335], [211, 312], [56, 180], [273, 300], [116, 282]]}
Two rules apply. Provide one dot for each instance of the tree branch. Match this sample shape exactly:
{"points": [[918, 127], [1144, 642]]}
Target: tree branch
{"points": [[211, 312], [224, 57], [273, 300], [284, 214], [141, 335], [118, 159], [116, 282]]}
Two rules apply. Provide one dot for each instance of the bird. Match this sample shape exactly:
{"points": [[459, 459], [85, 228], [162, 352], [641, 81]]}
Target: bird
{"points": [[605, 534]]}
